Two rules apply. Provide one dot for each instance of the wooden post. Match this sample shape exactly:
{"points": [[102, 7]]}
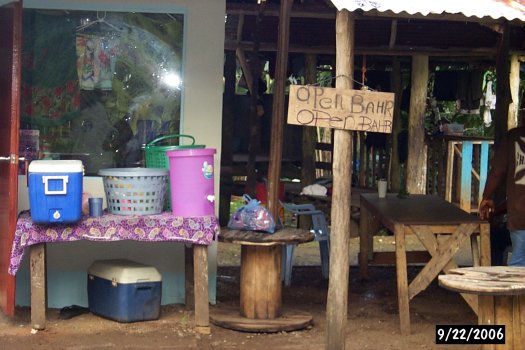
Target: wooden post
{"points": [[202, 312], [362, 160], [337, 300], [397, 88], [37, 266], [417, 155], [308, 175], [502, 87], [252, 72], [465, 190], [309, 132], [228, 123], [502, 97], [276, 138]]}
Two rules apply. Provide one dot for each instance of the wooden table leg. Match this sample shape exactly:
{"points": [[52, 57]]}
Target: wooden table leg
{"points": [[260, 281], [37, 258], [189, 273], [364, 245], [484, 238], [402, 279], [202, 310], [437, 248], [475, 250]]}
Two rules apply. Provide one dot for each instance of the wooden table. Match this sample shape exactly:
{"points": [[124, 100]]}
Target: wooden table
{"points": [[501, 291], [260, 283], [441, 227], [198, 231]]}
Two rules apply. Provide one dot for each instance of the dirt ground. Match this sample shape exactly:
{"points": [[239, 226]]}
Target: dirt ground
{"points": [[372, 316]]}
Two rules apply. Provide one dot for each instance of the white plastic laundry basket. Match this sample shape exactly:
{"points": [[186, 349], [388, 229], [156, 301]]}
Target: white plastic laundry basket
{"points": [[135, 191]]}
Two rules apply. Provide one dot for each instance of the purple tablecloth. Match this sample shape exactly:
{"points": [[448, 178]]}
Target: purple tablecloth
{"points": [[110, 227]]}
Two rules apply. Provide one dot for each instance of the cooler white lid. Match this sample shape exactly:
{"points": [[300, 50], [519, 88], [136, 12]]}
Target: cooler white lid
{"points": [[124, 271], [56, 166]]}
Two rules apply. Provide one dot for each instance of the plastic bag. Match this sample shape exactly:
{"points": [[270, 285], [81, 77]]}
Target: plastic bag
{"points": [[252, 217]]}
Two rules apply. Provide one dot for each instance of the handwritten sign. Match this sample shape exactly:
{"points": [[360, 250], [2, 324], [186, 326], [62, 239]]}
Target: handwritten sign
{"points": [[341, 108]]}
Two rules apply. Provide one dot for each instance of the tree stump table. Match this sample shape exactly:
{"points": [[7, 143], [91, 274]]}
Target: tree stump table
{"points": [[501, 291], [260, 283]]}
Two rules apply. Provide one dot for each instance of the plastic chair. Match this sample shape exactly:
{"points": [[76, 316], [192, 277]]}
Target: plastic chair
{"points": [[321, 234]]}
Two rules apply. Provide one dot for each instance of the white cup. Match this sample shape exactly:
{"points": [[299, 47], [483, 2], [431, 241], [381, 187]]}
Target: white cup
{"points": [[381, 188]]}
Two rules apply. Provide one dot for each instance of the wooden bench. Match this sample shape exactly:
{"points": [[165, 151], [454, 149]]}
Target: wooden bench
{"points": [[501, 301]]}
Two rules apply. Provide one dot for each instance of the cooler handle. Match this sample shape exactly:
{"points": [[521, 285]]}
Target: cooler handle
{"points": [[64, 178]]}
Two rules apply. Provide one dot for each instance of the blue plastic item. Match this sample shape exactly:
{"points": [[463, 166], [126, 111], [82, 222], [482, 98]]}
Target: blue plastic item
{"points": [[124, 291], [321, 234], [55, 190], [95, 207]]}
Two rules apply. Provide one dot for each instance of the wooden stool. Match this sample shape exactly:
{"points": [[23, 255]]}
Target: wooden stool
{"points": [[501, 301], [260, 284]]}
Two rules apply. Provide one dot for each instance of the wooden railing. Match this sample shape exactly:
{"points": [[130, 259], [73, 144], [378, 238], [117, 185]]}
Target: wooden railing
{"points": [[467, 169], [457, 167]]}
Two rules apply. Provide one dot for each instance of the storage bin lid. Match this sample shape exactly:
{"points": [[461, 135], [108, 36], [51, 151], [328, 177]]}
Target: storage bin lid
{"points": [[191, 152], [56, 166], [124, 271]]}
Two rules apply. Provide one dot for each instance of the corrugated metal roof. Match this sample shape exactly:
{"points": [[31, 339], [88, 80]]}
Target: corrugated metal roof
{"points": [[508, 9]]}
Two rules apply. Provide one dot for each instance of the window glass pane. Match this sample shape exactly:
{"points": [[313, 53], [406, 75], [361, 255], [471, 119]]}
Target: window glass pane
{"points": [[97, 86]]}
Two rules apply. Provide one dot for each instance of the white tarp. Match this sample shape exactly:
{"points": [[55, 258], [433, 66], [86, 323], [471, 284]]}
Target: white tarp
{"points": [[510, 10]]}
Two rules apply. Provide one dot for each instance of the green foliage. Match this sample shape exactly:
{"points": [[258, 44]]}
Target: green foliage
{"points": [[449, 112]]}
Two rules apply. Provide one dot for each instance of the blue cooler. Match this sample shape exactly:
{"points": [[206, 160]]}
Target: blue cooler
{"points": [[55, 190], [124, 290]]}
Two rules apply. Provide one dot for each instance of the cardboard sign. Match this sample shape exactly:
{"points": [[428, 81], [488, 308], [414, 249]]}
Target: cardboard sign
{"points": [[341, 108]]}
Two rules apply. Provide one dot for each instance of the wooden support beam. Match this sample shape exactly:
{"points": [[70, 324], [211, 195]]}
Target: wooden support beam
{"points": [[246, 70], [228, 123], [297, 10], [337, 299], [240, 25], [309, 132], [393, 34], [417, 155], [385, 50], [276, 138], [502, 87], [397, 88]]}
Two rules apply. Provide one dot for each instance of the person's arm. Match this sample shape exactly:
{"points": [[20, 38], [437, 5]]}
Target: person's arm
{"points": [[496, 175]]}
